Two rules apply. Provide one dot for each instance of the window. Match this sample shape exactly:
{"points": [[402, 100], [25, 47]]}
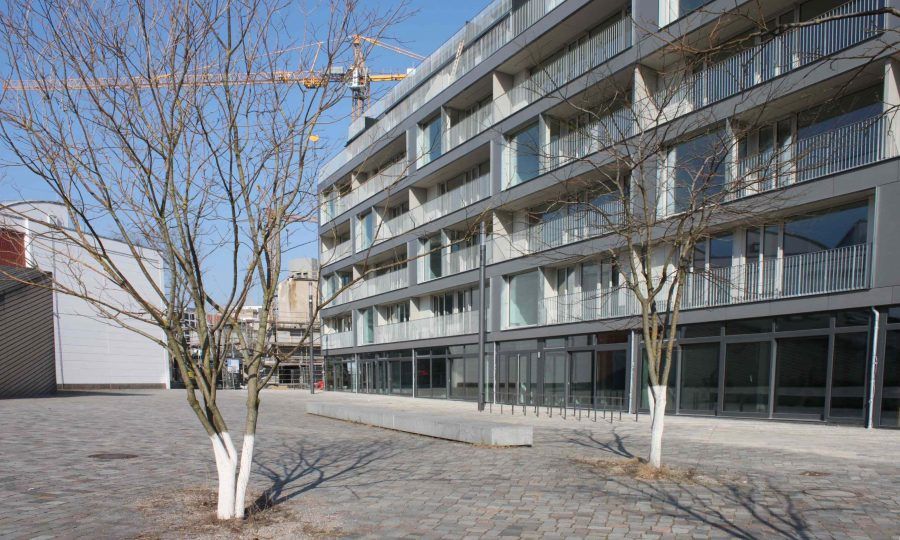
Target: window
{"points": [[430, 134], [695, 171], [890, 391], [800, 376], [524, 148], [524, 291], [848, 376], [747, 378], [699, 377], [820, 232]]}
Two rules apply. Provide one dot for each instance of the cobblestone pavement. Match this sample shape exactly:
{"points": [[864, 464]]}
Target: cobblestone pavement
{"points": [[757, 479]]}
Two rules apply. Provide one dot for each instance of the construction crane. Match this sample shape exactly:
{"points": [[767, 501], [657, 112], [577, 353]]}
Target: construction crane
{"points": [[357, 77]]}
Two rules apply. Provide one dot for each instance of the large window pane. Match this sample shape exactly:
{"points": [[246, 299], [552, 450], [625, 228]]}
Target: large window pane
{"points": [[581, 378], [554, 378], [439, 377], [457, 378], [611, 377], [423, 377], [700, 377], [747, 377], [890, 393], [848, 375], [526, 154], [699, 170], [839, 228], [524, 290], [802, 367]]}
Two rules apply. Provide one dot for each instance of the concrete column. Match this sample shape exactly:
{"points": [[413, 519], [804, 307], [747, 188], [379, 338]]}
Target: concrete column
{"points": [[891, 104], [498, 168], [497, 306], [501, 227], [646, 17], [412, 150], [502, 83], [644, 86], [412, 252]]}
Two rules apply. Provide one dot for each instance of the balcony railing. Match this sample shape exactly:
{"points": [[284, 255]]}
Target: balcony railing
{"points": [[337, 340], [395, 226], [495, 26], [465, 322], [455, 199], [588, 306], [337, 253], [589, 138], [375, 285], [469, 126], [566, 229], [853, 145], [791, 50], [824, 272], [568, 65], [452, 263], [381, 180]]}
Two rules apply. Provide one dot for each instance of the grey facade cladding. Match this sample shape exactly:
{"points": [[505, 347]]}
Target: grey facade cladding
{"points": [[874, 184], [27, 365]]}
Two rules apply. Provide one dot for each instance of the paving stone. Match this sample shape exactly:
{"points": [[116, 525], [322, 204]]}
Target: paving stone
{"points": [[382, 483]]}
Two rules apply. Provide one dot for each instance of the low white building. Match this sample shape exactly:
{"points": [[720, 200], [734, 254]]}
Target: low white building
{"points": [[92, 351]]}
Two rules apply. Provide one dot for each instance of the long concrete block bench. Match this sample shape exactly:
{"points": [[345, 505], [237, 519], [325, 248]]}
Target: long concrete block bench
{"points": [[441, 427]]}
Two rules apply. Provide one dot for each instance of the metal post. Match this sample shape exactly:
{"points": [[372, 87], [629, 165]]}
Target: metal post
{"points": [[482, 313], [311, 335]]}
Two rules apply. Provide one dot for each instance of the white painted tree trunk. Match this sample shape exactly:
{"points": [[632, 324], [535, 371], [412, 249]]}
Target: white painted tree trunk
{"points": [[226, 465], [243, 478], [657, 418]]}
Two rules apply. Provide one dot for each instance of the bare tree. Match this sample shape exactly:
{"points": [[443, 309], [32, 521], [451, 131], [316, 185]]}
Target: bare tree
{"points": [[659, 162], [188, 127]]}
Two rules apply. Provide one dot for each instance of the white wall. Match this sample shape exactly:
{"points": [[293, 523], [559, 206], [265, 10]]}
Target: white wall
{"points": [[92, 349]]}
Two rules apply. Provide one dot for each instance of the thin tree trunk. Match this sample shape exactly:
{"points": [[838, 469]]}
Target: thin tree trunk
{"points": [[243, 477], [657, 419], [226, 465]]}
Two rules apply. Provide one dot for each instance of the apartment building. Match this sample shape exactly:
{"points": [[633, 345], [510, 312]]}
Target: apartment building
{"points": [[792, 315]]}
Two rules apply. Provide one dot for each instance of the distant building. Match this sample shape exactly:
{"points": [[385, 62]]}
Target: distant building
{"points": [[296, 294], [90, 350]]}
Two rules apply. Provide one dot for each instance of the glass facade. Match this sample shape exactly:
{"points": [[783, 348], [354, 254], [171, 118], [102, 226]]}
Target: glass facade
{"points": [[811, 366]]}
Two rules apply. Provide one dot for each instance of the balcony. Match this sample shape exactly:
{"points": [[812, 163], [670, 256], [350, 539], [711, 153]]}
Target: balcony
{"points": [[470, 126], [394, 227], [791, 50], [853, 145], [572, 63], [337, 340], [455, 199], [380, 181], [493, 27], [373, 286], [825, 272], [559, 231], [465, 322], [337, 253], [455, 262], [593, 136], [822, 272]]}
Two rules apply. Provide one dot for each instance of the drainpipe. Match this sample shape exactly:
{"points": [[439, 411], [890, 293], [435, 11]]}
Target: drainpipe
{"points": [[870, 423]]}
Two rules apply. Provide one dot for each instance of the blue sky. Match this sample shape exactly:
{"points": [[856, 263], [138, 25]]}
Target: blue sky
{"points": [[430, 23]]}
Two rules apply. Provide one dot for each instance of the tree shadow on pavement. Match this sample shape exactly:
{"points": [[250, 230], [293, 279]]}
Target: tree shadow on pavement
{"points": [[588, 439], [748, 507], [301, 468]]}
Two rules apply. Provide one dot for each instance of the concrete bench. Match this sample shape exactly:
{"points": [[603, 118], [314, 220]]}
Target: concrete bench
{"points": [[441, 427]]}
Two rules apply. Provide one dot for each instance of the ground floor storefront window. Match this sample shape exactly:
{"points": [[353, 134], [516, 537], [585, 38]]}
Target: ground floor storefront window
{"points": [[807, 366], [890, 369]]}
